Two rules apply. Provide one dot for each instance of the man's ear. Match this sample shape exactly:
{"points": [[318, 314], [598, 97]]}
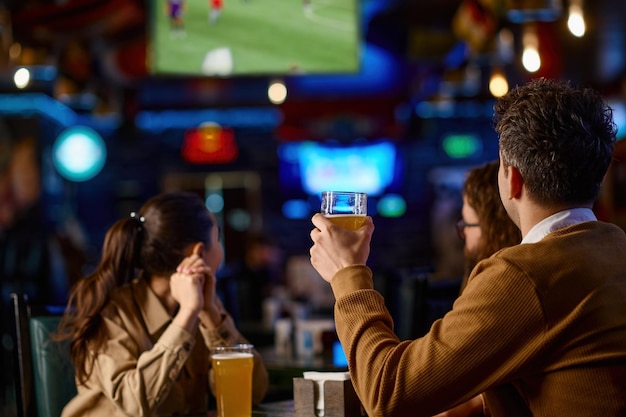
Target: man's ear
{"points": [[516, 182]]}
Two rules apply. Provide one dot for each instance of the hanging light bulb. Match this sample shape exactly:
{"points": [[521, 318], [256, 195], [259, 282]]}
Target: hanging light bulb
{"points": [[22, 78], [530, 56], [531, 59], [498, 84], [576, 19]]}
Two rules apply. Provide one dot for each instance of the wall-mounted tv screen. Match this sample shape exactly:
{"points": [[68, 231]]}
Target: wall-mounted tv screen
{"points": [[254, 37], [312, 167]]}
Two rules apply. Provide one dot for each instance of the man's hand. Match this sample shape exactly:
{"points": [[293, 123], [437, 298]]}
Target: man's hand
{"points": [[335, 248]]}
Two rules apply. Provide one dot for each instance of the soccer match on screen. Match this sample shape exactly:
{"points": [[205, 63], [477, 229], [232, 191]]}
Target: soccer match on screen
{"points": [[254, 37]]}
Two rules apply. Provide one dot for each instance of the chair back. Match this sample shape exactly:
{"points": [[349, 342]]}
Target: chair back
{"points": [[45, 370], [53, 371]]}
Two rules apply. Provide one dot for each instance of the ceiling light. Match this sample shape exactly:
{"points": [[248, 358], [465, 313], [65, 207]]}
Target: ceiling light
{"points": [[21, 78], [498, 84], [530, 56], [277, 92], [576, 20]]}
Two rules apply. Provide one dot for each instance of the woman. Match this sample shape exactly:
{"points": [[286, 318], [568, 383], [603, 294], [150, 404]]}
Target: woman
{"points": [[142, 325], [484, 225]]}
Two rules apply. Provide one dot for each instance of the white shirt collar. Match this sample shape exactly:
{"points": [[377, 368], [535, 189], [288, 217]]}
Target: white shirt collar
{"points": [[558, 221]]}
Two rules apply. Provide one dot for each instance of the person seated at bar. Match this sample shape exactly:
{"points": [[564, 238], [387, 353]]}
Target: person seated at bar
{"points": [[142, 325], [484, 226], [540, 328]]}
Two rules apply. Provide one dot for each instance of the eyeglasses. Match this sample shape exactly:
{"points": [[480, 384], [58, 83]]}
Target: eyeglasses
{"points": [[461, 225]]}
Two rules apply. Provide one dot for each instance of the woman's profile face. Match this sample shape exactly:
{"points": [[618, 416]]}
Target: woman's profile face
{"points": [[473, 233]]}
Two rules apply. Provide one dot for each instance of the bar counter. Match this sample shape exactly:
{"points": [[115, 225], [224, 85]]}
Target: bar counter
{"points": [[276, 409], [272, 409]]}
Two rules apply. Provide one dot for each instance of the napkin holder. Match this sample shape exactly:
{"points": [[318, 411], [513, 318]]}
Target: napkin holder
{"points": [[340, 399]]}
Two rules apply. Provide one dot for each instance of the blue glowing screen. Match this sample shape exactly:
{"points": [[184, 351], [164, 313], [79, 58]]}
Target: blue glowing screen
{"points": [[312, 167]]}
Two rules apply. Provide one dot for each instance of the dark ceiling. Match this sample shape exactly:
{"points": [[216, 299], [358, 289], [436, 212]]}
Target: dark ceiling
{"points": [[103, 42]]}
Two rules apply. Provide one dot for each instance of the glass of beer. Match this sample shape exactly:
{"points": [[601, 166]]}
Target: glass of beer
{"points": [[345, 208], [232, 368]]}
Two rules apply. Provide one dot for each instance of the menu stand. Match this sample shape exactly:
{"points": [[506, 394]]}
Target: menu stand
{"points": [[340, 399]]}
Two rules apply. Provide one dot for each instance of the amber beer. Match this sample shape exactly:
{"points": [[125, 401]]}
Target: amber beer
{"points": [[347, 221], [232, 368]]}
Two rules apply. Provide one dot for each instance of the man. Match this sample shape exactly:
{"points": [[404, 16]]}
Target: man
{"points": [[540, 328]]}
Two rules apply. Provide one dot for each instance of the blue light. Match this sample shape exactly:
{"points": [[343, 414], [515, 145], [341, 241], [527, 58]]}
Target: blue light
{"points": [[43, 72], [215, 202], [39, 103], [366, 167], [339, 357], [79, 154], [160, 120], [296, 209], [380, 72]]}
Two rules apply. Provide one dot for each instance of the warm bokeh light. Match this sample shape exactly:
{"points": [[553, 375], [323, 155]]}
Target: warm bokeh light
{"points": [[209, 135], [15, 50], [530, 56], [576, 21], [498, 85], [277, 92], [531, 60], [21, 78]]}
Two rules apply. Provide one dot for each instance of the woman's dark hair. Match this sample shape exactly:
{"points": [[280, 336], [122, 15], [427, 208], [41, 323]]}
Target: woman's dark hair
{"points": [[149, 243]]}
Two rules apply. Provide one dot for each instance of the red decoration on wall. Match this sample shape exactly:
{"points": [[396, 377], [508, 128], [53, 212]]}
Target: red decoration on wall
{"points": [[209, 144]]}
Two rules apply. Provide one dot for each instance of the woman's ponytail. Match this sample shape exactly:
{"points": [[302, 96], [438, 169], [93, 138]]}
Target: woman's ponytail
{"points": [[81, 323]]}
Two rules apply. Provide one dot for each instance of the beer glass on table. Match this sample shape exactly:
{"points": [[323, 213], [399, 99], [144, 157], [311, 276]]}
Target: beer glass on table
{"points": [[232, 369]]}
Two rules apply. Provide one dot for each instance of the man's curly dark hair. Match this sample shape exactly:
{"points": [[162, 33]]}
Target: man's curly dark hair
{"points": [[560, 138]]}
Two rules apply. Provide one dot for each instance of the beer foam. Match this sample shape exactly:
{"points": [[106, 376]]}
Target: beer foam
{"points": [[231, 355]]}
